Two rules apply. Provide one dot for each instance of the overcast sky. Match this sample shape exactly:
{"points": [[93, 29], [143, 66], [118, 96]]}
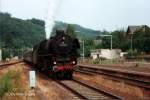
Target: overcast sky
{"points": [[95, 14]]}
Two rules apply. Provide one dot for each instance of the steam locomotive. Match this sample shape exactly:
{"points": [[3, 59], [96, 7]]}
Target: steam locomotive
{"points": [[56, 56]]}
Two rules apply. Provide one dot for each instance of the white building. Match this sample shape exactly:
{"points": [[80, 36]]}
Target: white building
{"points": [[106, 53]]}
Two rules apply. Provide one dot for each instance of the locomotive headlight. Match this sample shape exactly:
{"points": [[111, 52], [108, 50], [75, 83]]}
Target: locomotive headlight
{"points": [[63, 38], [73, 62], [54, 63]]}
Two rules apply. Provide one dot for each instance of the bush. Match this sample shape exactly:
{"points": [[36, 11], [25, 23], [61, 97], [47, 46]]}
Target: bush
{"points": [[9, 81], [5, 54], [96, 61], [132, 53], [5, 84]]}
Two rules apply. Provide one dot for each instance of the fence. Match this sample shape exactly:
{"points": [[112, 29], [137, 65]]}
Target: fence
{"points": [[127, 62]]}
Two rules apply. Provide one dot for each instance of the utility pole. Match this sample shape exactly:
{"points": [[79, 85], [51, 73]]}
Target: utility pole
{"points": [[83, 50], [0, 55], [131, 42]]}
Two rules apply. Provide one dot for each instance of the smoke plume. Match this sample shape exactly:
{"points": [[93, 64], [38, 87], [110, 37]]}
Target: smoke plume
{"points": [[52, 7]]}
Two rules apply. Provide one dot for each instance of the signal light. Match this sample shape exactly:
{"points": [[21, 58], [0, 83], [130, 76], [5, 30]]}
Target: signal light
{"points": [[73, 62], [63, 38], [54, 63]]}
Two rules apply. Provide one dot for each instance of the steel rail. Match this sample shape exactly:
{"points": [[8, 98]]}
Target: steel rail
{"points": [[2, 66], [114, 96], [115, 76]]}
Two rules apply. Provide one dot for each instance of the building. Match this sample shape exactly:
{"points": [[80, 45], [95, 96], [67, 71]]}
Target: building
{"points": [[106, 53], [132, 29]]}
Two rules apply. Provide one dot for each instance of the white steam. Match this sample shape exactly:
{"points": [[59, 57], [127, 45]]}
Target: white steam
{"points": [[52, 8]]}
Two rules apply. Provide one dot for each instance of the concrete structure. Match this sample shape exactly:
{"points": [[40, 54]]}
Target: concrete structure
{"points": [[0, 54], [105, 53], [122, 54], [15, 58]]}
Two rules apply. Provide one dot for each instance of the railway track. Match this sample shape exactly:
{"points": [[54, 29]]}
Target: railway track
{"points": [[81, 90], [3, 66], [127, 80], [133, 78], [84, 91]]}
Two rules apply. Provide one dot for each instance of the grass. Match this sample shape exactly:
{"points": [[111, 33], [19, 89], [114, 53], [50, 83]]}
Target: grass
{"points": [[9, 81]]}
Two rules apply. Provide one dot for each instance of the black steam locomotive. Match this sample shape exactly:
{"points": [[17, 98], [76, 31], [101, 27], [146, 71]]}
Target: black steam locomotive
{"points": [[57, 55]]}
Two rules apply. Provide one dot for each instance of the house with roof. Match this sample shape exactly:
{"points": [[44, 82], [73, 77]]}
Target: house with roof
{"points": [[132, 29]]}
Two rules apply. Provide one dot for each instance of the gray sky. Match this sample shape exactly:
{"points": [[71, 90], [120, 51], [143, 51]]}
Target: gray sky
{"points": [[95, 14]]}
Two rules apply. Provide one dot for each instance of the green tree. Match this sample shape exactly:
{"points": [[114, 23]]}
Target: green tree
{"points": [[105, 41], [88, 46], [8, 39], [71, 31], [119, 40], [17, 33], [141, 39], [37, 22]]}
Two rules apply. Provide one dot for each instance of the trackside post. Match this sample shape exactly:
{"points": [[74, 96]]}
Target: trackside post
{"points": [[32, 79]]}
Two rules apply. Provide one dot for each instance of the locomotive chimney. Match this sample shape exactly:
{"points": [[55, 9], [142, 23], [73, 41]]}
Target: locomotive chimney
{"points": [[60, 32]]}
